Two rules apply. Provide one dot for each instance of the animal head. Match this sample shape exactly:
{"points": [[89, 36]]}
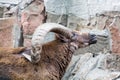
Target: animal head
{"points": [[83, 39], [64, 34]]}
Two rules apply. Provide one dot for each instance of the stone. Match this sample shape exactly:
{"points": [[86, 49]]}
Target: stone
{"points": [[31, 18], [112, 23], [10, 1], [82, 9], [1, 11], [93, 67], [28, 16], [6, 27]]}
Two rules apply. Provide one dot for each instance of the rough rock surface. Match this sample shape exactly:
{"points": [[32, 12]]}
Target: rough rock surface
{"points": [[29, 14], [84, 9], [109, 20], [94, 67], [31, 17], [6, 37]]}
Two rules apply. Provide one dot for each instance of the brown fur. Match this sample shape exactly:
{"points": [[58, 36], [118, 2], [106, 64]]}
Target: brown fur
{"points": [[51, 66], [55, 57]]}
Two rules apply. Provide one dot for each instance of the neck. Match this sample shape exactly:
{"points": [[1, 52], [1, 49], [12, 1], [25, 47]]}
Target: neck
{"points": [[58, 54]]}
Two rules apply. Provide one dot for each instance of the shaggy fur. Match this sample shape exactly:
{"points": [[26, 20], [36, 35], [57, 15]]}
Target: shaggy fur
{"points": [[51, 66], [55, 57]]}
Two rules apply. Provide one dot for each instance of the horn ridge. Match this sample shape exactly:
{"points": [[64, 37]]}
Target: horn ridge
{"points": [[41, 32]]}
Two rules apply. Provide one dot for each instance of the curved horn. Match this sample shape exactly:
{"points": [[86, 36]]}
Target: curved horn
{"points": [[38, 38], [41, 31]]}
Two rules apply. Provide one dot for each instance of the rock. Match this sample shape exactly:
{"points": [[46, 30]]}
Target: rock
{"points": [[28, 15], [111, 20], [99, 74], [31, 17], [6, 32], [93, 67]]}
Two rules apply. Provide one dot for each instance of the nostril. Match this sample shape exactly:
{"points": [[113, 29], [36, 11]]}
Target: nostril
{"points": [[93, 39]]}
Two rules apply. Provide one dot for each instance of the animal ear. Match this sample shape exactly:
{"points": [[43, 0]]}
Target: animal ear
{"points": [[61, 38]]}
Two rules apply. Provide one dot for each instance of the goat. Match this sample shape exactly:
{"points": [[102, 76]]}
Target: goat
{"points": [[47, 61]]}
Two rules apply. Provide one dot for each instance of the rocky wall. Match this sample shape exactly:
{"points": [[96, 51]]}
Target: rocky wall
{"points": [[98, 66], [29, 15], [6, 27]]}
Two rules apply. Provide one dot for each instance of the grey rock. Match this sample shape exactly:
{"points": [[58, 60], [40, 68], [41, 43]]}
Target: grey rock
{"points": [[90, 67]]}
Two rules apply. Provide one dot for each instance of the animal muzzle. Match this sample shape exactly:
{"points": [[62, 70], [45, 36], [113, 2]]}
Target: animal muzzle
{"points": [[93, 39]]}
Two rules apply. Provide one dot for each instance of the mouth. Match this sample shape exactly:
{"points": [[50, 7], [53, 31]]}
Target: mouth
{"points": [[93, 39]]}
